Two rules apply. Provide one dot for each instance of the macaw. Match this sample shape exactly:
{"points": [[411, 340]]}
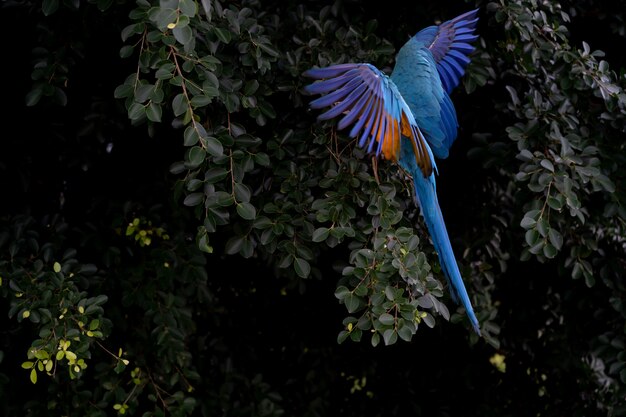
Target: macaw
{"points": [[408, 118]]}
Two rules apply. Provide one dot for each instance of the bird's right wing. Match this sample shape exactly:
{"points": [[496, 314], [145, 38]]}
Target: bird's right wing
{"points": [[449, 43], [370, 102]]}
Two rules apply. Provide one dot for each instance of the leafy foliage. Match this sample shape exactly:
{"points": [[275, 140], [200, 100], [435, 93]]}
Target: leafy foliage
{"points": [[178, 286]]}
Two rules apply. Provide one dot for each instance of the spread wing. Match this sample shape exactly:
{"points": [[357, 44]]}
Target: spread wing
{"points": [[450, 45], [369, 101]]}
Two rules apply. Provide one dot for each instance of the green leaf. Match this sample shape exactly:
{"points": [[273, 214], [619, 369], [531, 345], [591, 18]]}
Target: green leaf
{"points": [[549, 251], [528, 222], [193, 199], [405, 332], [302, 267], [262, 159], [429, 320], [268, 49], [242, 192], [48, 7], [547, 165], [123, 91], [606, 183], [136, 111], [390, 293], [343, 335], [246, 211], [222, 34], [577, 271], [390, 336], [531, 237], [163, 16], [215, 174], [214, 147], [555, 238], [182, 34], [537, 247], [251, 87], [177, 168], [320, 234], [543, 226], [555, 203], [355, 335], [188, 7], [179, 104], [375, 339], [200, 101], [33, 376], [33, 96], [98, 300], [165, 71], [154, 112], [352, 302], [143, 92], [386, 319], [203, 244], [342, 292], [231, 101], [193, 184], [126, 51], [234, 245], [190, 136], [196, 156]]}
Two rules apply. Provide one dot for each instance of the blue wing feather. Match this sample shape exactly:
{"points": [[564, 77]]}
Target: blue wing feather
{"points": [[371, 101], [450, 45]]}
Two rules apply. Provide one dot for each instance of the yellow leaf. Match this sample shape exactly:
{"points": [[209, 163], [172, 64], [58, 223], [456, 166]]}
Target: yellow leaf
{"points": [[71, 356], [497, 360], [56, 267]]}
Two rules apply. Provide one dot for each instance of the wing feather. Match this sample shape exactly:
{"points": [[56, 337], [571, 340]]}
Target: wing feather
{"points": [[450, 45], [370, 100]]}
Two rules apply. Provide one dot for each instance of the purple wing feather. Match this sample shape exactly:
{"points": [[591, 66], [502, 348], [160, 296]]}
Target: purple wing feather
{"points": [[368, 99], [450, 45]]}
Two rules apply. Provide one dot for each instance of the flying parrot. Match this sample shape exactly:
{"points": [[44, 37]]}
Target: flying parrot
{"points": [[408, 118]]}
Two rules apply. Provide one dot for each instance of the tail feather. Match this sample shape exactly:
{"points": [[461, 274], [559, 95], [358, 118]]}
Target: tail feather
{"points": [[426, 194]]}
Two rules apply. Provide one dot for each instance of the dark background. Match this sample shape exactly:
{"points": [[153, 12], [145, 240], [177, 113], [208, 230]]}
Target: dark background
{"points": [[54, 161]]}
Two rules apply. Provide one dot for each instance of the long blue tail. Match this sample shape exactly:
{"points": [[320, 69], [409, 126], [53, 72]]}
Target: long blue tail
{"points": [[426, 194]]}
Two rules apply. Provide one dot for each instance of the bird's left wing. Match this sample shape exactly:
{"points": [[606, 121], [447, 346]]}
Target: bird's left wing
{"points": [[370, 102]]}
